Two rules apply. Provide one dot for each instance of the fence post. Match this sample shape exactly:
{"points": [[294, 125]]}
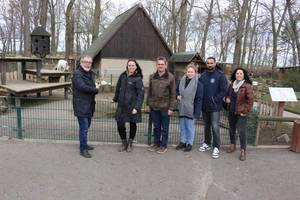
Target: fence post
{"points": [[295, 145], [111, 84], [257, 132], [149, 129], [19, 118]]}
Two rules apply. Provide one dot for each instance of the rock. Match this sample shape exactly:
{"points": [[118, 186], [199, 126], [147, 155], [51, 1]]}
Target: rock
{"points": [[283, 138]]}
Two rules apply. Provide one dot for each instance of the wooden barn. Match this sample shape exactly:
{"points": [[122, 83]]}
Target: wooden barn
{"points": [[131, 35]]}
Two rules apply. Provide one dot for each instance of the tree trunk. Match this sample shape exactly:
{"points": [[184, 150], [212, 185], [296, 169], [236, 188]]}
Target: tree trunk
{"points": [[250, 51], [275, 33], [69, 36], [294, 28], [174, 27], [21, 35], [182, 26], [43, 13], [254, 51], [207, 25], [239, 35], [97, 15], [78, 28], [26, 27], [246, 33], [52, 27]]}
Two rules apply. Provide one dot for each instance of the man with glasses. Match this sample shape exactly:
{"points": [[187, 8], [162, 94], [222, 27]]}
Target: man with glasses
{"points": [[84, 91]]}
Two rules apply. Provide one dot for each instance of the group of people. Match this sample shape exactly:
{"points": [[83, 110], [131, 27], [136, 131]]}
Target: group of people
{"points": [[194, 94]]}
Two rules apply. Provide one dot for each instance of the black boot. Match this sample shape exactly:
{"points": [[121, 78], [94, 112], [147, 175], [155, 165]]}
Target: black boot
{"points": [[180, 146], [123, 146], [129, 147], [85, 153], [89, 148], [188, 148]]}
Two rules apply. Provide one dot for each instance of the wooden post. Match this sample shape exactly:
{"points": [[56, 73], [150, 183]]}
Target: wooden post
{"points": [[279, 114], [19, 71], [280, 108], [38, 71], [295, 146], [24, 69], [257, 132], [3, 72]]}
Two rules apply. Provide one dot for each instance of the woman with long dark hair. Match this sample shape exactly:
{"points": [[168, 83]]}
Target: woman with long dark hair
{"points": [[240, 101], [129, 95]]}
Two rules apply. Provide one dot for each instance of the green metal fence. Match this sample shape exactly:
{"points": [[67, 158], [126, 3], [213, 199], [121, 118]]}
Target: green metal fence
{"points": [[52, 118]]}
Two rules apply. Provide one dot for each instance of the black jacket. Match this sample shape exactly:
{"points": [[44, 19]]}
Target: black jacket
{"points": [[129, 95], [84, 91]]}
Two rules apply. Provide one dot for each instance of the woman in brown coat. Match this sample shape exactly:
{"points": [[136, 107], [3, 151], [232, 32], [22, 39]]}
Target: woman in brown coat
{"points": [[240, 101]]}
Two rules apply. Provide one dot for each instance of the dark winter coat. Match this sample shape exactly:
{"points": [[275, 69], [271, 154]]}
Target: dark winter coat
{"points": [[215, 88], [129, 95], [84, 91]]}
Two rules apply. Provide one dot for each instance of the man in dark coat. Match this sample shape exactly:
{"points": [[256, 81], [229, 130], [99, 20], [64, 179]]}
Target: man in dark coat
{"points": [[215, 87], [84, 91]]}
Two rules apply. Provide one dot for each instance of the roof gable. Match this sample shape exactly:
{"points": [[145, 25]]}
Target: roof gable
{"points": [[115, 26], [188, 56]]}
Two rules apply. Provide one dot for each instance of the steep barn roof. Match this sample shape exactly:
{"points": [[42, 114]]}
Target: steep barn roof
{"points": [[115, 26]]}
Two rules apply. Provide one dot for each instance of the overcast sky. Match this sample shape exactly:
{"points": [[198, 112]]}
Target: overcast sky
{"points": [[127, 3]]}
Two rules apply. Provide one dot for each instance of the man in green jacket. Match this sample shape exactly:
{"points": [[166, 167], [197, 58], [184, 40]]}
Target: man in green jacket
{"points": [[161, 100]]}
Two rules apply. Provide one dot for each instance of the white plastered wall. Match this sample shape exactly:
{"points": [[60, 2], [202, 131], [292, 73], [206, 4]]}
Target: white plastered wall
{"points": [[112, 68]]}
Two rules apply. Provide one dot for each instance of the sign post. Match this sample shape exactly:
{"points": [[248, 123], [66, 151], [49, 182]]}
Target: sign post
{"points": [[281, 95]]}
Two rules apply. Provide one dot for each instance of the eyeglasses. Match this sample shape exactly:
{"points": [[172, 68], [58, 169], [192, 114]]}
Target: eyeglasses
{"points": [[90, 62]]}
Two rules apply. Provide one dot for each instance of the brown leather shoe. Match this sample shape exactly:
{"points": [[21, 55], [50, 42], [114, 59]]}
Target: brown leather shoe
{"points": [[243, 155], [231, 148]]}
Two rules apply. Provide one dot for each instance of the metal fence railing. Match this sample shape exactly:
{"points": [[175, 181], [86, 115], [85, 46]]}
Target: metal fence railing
{"points": [[52, 118]]}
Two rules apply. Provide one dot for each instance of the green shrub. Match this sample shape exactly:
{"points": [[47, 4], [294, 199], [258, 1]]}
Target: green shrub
{"points": [[291, 79], [252, 126]]}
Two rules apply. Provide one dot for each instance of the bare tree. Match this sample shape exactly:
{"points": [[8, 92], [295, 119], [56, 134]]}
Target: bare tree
{"points": [[26, 27], [295, 36], [239, 34], [97, 14], [43, 12], [174, 26], [69, 36], [275, 30], [52, 7], [252, 34], [207, 25], [250, 11]]}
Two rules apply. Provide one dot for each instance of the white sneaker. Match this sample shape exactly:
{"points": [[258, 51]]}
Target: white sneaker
{"points": [[204, 147], [215, 153]]}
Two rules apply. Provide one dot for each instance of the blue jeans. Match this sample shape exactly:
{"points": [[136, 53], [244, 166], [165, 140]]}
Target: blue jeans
{"points": [[211, 122], [239, 123], [84, 125], [187, 130], [160, 121]]}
